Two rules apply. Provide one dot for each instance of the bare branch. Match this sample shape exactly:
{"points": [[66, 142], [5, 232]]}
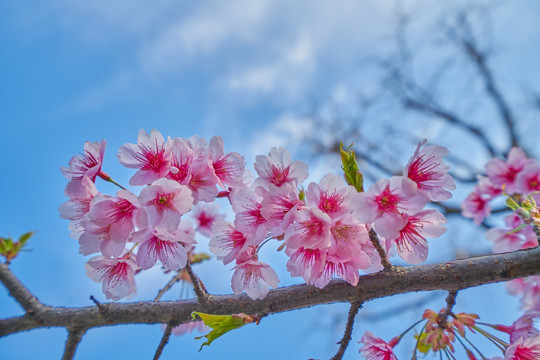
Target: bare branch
{"points": [[382, 254], [198, 286], [453, 275], [479, 59], [72, 342], [344, 343], [450, 302], [171, 282], [19, 292], [164, 340]]}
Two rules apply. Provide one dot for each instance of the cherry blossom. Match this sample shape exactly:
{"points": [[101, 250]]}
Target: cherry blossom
{"points": [[524, 349], [205, 216], [384, 203], [309, 228], [246, 204], [278, 204], [528, 180], [150, 155], [157, 244], [411, 240], [278, 169], [116, 275], [307, 263], [430, 174], [377, 349], [88, 164], [80, 193], [501, 172], [227, 242], [229, 168], [332, 195], [165, 201], [523, 327], [253, 276]]}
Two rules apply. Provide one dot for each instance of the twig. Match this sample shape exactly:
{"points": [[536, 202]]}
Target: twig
{"points": [[19, 292], [198, 287], [72, 342], [450, 302], [453, 275], [171, 282], [346, 339], [164, 340], [382, 254]]}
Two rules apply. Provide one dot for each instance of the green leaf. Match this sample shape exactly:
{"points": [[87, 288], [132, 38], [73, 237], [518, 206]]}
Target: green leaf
{"points": [[521, 227], [24, 238], [512, 204], [221, 324], [352, 175]]}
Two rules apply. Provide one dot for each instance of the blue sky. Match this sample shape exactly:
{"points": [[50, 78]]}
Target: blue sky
{"points": [[248, 71]]}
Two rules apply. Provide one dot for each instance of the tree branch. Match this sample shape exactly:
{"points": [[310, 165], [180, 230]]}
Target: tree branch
{"points": [[73, 340], [344, 343], [171, 282], [453, 275], [164, 340], [19, 292], [198, 286]]}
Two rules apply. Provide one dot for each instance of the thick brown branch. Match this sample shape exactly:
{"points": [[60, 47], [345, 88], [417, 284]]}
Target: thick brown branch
{"points": [[19, 292], [344, 343], [72, 342], [454, 275]]}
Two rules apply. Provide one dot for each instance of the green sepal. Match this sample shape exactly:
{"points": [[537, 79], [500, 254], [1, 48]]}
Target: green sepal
{"points": [[512, 204], [519, 228], [352, 175], [221, 324]]}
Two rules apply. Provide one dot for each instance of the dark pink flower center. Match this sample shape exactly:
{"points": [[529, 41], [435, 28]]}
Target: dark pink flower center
{"points": [[311, 227], [410, 234], [422, 170], [388, 201], [121, 210], [233, 239], [164, 201], [279, 175], [152, 159], [330, 202], [525, 353], [117, 273], [162, 248]]}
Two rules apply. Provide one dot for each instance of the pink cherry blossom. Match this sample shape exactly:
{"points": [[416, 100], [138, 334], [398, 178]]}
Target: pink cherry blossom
{"points": [[116, 275], [309, 228], [87, 164], [307, 263], [523, 327], [227, 242], [278, 204], [501, 172], [203, 182], [347, 241], [337, 267], [278, 169], [157, 244], [529, 288], [165, 201], [332, 195], [189, 327], [121, 214], [476, 206], [80, 193], [205, 216], [524, 349], [247, 204], [229, 168], [384, 203], [254, 277], [528, 179], [411, 240], [182, 158], [377, 349], [427, 170], [150, 155]]}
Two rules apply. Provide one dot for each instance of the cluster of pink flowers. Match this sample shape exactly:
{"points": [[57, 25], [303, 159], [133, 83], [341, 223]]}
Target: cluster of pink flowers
{"points": [[524, 338], [325, 229], [176, 175], [518, 177]]}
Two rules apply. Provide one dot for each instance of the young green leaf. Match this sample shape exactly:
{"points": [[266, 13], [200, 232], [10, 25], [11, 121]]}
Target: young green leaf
{"points": [[221, 324]]}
